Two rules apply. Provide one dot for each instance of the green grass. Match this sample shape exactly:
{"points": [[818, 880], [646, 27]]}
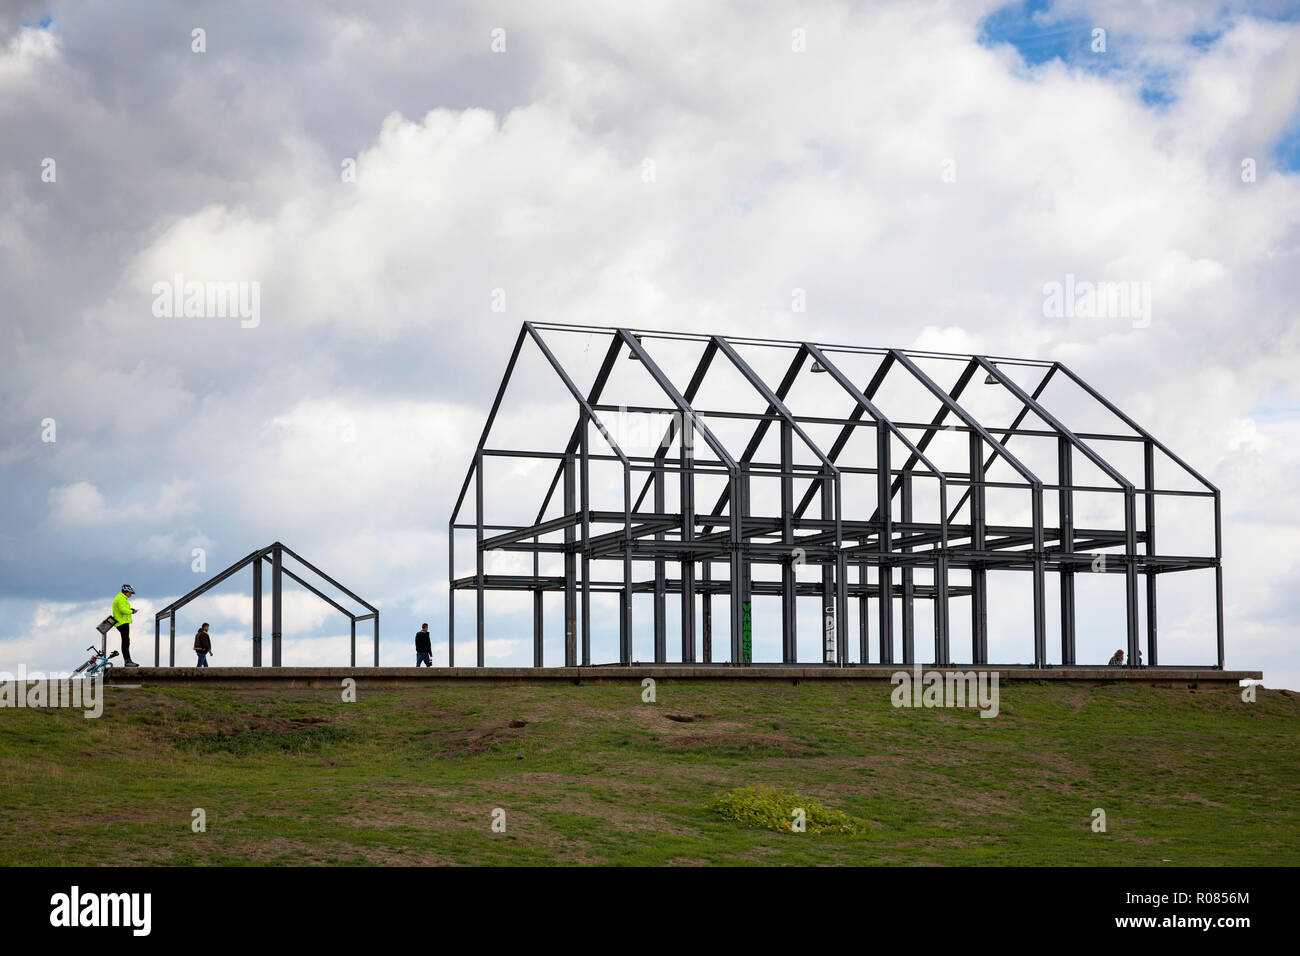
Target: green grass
{"points": [[591, 774]]}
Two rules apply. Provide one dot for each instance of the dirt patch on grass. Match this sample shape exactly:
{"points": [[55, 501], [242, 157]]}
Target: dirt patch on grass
{"points": [[273, 724], [253, 734], [733, 743], [476, 742]]}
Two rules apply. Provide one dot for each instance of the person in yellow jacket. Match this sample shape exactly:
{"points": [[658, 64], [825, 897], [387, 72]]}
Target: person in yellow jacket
{"points": [[122, 611]]}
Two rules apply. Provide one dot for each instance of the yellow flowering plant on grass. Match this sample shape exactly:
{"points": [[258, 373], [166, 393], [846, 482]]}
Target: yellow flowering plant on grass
{"points": [[772, 808]]}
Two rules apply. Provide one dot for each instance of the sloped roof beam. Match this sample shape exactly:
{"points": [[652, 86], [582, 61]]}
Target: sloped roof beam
{"points": [[1020, 467], [487, 426], [679, 401]]}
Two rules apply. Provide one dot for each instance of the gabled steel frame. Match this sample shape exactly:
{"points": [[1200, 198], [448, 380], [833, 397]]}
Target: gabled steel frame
{"points": [[272, 555], [845, 548]]}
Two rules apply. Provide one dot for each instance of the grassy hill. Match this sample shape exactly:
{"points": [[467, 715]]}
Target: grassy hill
{"points": [[591, 774]]}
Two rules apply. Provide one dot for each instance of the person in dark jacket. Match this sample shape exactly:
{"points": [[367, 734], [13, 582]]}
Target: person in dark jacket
{"points": [[423, 647], [203, 645]]}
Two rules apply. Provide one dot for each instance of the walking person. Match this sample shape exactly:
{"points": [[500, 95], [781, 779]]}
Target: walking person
{"points": [[122, 611], [423, 647], [203, 645]]}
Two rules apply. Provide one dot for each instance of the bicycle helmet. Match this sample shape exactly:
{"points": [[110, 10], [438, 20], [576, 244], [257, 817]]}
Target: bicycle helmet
{"points": [[127, 589]]}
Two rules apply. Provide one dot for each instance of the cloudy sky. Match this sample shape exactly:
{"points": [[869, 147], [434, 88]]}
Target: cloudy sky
{"points": [[408, 184]]}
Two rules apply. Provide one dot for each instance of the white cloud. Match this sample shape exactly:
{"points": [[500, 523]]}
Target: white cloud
{"points": [[81, 503], [23, 57]]}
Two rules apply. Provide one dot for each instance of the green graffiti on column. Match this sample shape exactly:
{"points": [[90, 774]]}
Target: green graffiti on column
{"points": [[747, 633]]}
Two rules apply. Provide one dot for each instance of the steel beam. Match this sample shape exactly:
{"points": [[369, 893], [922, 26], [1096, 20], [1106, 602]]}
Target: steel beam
{"points": [[277, 564], [480, 597], [686, 495], [451, 593], [539, 597], [828, 578], [584, 509], [661, 575], [570, 565], [864, 610], [907, 573], [979, 621], [1149, 480], [257, 613], [789, 602], [1065, 506], [885, 569]]}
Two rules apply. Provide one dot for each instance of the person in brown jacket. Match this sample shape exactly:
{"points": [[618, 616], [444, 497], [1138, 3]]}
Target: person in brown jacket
{"points": [[203, 645]]}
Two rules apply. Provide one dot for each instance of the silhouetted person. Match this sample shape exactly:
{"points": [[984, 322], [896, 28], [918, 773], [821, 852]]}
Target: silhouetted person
{"points": [[423, 647]]}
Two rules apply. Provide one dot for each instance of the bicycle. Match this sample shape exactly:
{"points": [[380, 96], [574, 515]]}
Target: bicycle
{"points": [[98, 663]]}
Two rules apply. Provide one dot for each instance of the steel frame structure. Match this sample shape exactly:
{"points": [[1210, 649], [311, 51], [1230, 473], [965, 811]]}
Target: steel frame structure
{"points": [[273, 555], [699, 544]]}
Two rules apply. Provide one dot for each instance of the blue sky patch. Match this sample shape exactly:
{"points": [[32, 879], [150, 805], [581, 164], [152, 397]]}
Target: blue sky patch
{"points": [[1286, 152], [1036, 34], [1040, 36]]}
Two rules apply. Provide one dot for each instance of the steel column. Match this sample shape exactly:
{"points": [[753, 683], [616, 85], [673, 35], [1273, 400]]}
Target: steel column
{"points": [[909, 590], [978, 574], [1065, 509], [661, 576], [687, 502], [479, 593], [1130, 574], [828, 578], [1149, 479], [625, 612], [570, 564], [706, 614], [789, 599], [942, 654], [451, 594], [1040, 582], [584, 493], [741, 504], [737, 582], [257, 612], [864, 612], [539, 610], [277, 604], [841, 608], [1218, 574], [885, 571]]}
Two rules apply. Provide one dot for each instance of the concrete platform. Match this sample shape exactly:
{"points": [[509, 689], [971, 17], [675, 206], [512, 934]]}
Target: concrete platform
{"points": [[411, 677]]}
